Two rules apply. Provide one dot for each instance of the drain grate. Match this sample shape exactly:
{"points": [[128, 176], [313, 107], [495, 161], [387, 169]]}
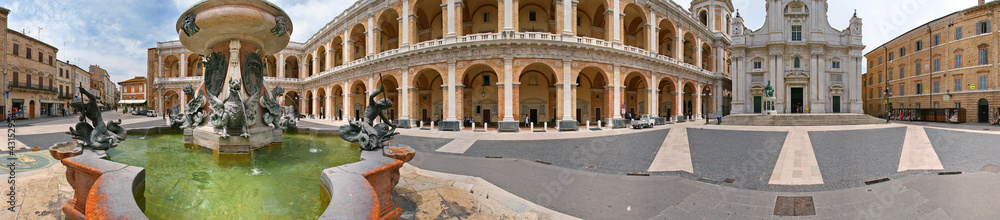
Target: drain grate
{"points": [[876, 181], [493, 157], [794, 206], [992, 168], [638, 174], [729, 180], [950, 173], [543, 162]]}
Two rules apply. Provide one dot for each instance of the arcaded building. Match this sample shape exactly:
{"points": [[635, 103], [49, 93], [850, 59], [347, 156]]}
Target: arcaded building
{"points": [[950, 62], [813, 67], [494, 62]]}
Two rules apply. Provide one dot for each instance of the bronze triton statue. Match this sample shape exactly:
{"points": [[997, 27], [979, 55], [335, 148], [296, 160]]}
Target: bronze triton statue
{"points": [[369, 136]]}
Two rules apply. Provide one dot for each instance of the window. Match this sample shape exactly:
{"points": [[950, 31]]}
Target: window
{"points": [[880, 78], [901, 91], [870, 64], [935, 105], [937, 66], [870, 94], [983, 27], [918, 105], [901, 72], [891, 56], [902, 51], [486, 17], [879, 61], [531, 15], [796, 33], [958, 33], [798, 62], [869, 80], [757, 65], [486, 81], [982, 82], [50, 59], [958, 61], [28, 54], [920, 88], [577, 20], [888, 76], [982, 56], [836, 64], [958, 84], [937, 39], [39, 56], [15, 77], [917, 68], [936, 90], [958, 105], [16, 50], [920, 45]]}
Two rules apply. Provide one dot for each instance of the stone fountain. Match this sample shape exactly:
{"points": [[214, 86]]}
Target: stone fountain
{"points": [[232, 112]]}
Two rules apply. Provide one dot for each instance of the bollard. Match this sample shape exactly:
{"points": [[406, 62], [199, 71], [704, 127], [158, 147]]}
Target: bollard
{"points": [[588, 124], [432, 125], [599, 124], [473, 126], [486, 126], [532, 126], [421, 124], [546, 125]]}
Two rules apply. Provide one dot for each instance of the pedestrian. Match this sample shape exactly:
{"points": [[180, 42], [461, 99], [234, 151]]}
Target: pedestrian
{"points": [[526, 120]]}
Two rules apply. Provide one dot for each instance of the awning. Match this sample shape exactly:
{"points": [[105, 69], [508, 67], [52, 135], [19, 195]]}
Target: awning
{"points": [[133, 101], [52, 102]]}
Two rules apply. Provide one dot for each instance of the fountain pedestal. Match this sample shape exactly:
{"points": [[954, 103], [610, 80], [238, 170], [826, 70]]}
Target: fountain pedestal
{"points": [[260, 136]]}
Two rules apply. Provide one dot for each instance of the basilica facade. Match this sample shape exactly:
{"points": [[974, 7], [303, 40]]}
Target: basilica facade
{"points": [[813, 67]]}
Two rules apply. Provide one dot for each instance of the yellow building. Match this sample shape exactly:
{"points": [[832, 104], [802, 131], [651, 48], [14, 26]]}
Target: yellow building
{"points": [[31, 75], [950, 62], [494, 62]]}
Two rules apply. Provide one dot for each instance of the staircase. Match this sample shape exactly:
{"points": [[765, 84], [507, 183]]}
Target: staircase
{"points": [[824, 119]]}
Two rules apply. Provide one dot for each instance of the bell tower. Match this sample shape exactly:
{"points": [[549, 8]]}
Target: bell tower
{"points": [[716, 15]]}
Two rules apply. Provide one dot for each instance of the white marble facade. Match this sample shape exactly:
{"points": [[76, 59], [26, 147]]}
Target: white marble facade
{"points": [[813, 67]]}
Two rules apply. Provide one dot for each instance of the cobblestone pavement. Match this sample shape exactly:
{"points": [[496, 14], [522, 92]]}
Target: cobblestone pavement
{"points": [[602, 174]]}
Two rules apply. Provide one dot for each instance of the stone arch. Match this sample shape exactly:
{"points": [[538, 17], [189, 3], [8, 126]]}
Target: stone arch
{"points": [[703, 17], [636, 97], [291, 98], [480, 94], [308, 108], [388, 37], [666, 38], [635, 26], [544, 15], [171, 67], [194, 66], [358, 98], [429, 25], [292, 67], [707, 58], [536, 92], [429, 96], [320, 59], [359, 47], [690, 45], [666, 99], [592, 21], [171, 101], [337, 45], [392, 93], [272, 66], [688, 98], [309, 60], [592, 96], [485, 17], [337, 93]]}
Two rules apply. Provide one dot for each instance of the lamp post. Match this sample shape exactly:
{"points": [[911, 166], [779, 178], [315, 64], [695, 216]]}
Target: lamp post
{"points": [[887, 93], [703, 106]]}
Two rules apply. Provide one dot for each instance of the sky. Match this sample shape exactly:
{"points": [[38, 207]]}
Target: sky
{"points": [[115, 34]]}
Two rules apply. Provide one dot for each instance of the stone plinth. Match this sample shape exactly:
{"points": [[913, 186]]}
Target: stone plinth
{"points": [[403, 123], [351, 197], [569, 125], [260, 136], [619, 123], [508, 126], [450, 126]]}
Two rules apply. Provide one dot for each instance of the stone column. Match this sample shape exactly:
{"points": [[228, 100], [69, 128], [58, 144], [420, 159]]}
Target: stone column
{"points": [[609, 16], [303, 67], [679, 99], [405, 98], [653, 36], [370, 35], [618, 92], [348, 47], [159, 66], [567, 72], [508, 21], [679, 45], [457, 23], [813, 84], [280, 65], [617, 22], [739, 77], [654, 91], [316, 102], [347, 101], [329, 111], [315, 66], [567, 18], [412, 31], [183, 63], [449, 22], [302, 104], [697, 101], [854, 92], [508, 91], [823, 81], [451, 89], [329, 55], [697, 54], [404, 32], [184, 102], [779, 86]]}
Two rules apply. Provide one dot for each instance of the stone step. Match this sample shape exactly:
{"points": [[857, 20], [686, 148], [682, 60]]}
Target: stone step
{"points": [[800, 119]]}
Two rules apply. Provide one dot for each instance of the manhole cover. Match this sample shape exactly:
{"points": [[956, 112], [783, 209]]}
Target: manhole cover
{"points": [[794, 206], [992, 168]]}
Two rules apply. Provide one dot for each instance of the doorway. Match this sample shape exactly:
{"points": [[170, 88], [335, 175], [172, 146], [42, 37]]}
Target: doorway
{"points": [[578, 119], [796, 100], [31, 109], [984, 110], [423, 115], [756, 104], [486, 115], [597, 113], [533, 116], [340, 114], [836, 104], [357, 114]]}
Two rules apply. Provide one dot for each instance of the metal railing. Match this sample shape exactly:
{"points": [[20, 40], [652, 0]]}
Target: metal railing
{"points": [[29, 86]]}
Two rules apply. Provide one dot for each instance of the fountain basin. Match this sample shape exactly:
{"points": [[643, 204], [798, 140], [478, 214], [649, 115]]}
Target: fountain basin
{"points": [[220, 21]]}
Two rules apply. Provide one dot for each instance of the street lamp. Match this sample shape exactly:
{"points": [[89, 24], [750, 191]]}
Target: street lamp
{"points": [[887, 93]]}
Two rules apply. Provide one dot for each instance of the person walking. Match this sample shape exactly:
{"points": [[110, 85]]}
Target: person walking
{"points": [[526, 118]]}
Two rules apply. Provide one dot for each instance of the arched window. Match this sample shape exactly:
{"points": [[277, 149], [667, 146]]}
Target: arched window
{"points": [[704, 18], [797, 62]]}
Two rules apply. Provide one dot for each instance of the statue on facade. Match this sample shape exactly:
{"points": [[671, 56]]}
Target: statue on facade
{"points": [[96, 135], [369, 136], [768, 90]]}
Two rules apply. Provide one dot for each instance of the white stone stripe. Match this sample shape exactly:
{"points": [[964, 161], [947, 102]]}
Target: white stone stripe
{"points": [[918, 153], [674, 153], [796, 163], [457, 146]]}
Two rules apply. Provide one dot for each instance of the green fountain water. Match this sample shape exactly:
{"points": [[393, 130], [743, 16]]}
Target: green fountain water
{"points": [[275, 183]]}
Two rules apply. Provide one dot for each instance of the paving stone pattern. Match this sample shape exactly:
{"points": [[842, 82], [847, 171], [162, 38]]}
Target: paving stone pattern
{"points": [[747, 156], [851, 157], [965, 151]]}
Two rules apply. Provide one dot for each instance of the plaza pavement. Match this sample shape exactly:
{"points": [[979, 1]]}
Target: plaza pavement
{"points": [[586, 174]]}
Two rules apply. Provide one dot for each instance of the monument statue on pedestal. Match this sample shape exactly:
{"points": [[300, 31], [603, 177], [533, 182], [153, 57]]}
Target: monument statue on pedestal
{"points": [[769, 99], [369, 136], [100, 136], [768, 90]]}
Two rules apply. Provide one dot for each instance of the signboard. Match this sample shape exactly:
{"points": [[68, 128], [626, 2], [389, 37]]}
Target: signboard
{"points": [[927, 90], [972, 86], [807, 108]]}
